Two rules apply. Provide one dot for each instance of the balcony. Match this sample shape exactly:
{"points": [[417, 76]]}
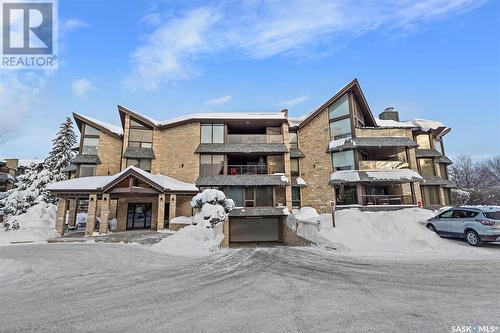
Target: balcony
{"points": [[382, 199], [254, 138], [382, 165], [234, 169]]}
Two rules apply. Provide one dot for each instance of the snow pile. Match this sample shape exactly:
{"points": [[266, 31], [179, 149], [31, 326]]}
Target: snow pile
{"points": [[182, 220], [36, 225], [334, 144], [383, 233], [192, 241], [348, 176], [301, 181], [424, 124]]}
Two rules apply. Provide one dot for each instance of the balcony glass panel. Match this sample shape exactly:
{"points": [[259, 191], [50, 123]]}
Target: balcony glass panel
{"points": [[382, 165]]}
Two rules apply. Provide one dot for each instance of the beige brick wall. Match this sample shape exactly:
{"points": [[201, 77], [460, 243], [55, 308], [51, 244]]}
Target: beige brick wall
{"points": [[184, 205], [110, 154], [174, 149], [316, 167]]}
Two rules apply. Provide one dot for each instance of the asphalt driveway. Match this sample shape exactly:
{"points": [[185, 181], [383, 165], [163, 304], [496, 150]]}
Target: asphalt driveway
{"points": [[127, 288]]}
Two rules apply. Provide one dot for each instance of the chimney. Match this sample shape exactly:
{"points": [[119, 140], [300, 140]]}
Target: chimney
{"points": [[389, 114], [285, 112]]}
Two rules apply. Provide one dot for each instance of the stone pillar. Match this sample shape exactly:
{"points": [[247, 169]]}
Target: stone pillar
{"points": [[359, 193], [91, 215], [173, 205], [103, 226], [286, 164], [72, 212], [225, 241], [161, 212], [61, 215]]}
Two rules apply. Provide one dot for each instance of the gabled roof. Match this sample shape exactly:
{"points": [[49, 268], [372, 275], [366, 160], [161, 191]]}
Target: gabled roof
{"points": [[103, 183], [101, 125], [281, 116], [351, 86]]}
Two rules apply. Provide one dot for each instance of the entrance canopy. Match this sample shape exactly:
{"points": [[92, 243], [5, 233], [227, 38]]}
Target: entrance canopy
{"points": [[113, 184]]}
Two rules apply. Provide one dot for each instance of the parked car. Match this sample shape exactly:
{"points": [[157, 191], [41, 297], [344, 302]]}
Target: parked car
{"points": [[475, 224]]}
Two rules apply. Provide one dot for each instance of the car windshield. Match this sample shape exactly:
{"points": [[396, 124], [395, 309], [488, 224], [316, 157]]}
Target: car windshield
{"points": [[493, 215]]}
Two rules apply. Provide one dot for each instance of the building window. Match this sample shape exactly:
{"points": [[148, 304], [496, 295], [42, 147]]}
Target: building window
{"points": [[261, 196], [87, 170], [340, 129], [426, 166], [443, 170], [430, 195], [236, 193], [346, 195], [82, 206], [424, 141], [143, 163], [339, 108], [294, 167], [212, 133], [343, 160], [211, 165], [90, 143], [438, 145], [294, 140], [296, 197], [140, 136]]}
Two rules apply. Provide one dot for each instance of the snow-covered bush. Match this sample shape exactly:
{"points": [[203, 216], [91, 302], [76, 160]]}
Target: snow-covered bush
{"points": [[212, 207], [460, 197]]}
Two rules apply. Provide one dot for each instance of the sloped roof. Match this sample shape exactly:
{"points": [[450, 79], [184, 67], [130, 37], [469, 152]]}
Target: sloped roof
{"points": [[102, 183], [137, 152], [242, 180], [427, 153], [388, 141], [106, 127], [86, 159], [241, 148]]}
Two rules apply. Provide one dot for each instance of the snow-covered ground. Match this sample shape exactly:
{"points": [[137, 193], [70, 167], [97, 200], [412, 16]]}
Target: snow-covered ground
{"points": [[36, 225], [400, 233]]}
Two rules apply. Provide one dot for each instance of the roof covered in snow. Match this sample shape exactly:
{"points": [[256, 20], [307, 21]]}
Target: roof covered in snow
{"points": [[388, 141], [100, 183], [242, 180], [417, 123], [392, 176], [114, 129], [138, 152], [427, 153]]}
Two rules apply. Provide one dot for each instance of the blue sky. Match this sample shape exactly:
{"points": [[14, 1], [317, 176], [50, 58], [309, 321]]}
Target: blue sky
{"points": [[430, 59]]}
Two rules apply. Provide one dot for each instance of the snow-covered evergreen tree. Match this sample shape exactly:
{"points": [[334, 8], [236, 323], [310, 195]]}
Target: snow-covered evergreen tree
{"points": [[31, 187]]}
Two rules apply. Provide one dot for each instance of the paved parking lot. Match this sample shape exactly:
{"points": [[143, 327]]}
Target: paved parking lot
{"points": [[127, 288]]}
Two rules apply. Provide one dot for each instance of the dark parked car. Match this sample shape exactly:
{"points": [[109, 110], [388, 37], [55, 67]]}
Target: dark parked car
{"points": [[475, 224]]}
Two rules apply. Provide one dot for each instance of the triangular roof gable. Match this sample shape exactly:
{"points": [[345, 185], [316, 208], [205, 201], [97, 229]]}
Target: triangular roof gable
{"points": [[148, 121], [136, 172], [358, 93], [79, 119]]}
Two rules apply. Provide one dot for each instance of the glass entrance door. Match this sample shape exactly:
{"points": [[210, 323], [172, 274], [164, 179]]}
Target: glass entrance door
{"points": [[139, 215]]}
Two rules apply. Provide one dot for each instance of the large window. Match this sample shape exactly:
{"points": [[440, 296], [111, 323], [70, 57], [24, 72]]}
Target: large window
{"points": [[90, 140], [343, 160], [438, 145], [426, 166], [211, 165], [294, 167], [296, 197], [140, 135], [339, 108], [87, 170], [236, 193], [340, 129], [424, 141], [430, 195], [346, 195], [261, 196], [293, 138], [143, 163], [212, 133]]}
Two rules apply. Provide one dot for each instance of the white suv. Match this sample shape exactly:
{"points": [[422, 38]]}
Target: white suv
{"points": [[475, 224]]}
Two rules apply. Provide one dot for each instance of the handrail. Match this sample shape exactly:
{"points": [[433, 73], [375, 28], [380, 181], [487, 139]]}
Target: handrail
{"points": [[233, 169]]}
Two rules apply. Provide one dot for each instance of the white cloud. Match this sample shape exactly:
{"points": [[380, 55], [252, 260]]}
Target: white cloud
{"points": [[219, 101], [82, 87], [293, 101], [72, 24], [260, 29]]}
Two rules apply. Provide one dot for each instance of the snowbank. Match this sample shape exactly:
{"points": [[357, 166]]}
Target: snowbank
{"points": [[192, 241], [37, 225], [384, 234], [182, 220]]}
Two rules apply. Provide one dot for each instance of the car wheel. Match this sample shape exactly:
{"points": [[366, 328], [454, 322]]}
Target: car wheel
{"points": [[431, 228], [473, 238]]}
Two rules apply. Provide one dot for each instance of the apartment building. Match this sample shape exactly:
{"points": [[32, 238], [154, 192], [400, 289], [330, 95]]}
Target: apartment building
{"points": [[144, 172]]}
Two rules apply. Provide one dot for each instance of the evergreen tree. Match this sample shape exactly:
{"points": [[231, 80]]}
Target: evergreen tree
{"points": [[31, 187]]}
